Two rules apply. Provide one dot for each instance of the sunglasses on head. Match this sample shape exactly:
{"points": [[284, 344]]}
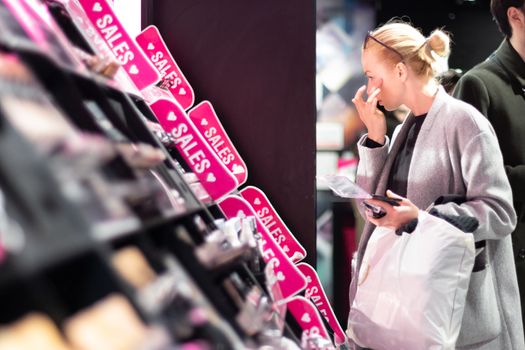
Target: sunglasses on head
{"points": [[370, 36]]}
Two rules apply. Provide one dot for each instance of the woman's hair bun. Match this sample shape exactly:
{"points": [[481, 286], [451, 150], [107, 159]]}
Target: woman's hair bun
{"points": [[439, 42]]}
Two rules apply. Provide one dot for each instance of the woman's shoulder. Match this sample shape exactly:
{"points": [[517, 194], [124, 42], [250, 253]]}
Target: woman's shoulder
{"points": [[459, 114]]}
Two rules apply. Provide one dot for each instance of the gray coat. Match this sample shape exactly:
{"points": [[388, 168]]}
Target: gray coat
{"points": [[495, 88], [457, 153]]}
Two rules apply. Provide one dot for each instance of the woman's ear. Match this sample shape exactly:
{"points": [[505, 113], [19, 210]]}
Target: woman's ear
{"points": [[401, 71], [515, 17]]}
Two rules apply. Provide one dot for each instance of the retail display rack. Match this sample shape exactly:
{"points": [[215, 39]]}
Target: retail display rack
{"points": [[123, 224]]}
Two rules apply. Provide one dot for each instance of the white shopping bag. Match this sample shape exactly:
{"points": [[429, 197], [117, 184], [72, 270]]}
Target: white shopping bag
{"points": [[412, 288]]}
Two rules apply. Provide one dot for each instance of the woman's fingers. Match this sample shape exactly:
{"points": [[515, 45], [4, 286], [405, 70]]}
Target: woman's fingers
{"points": [[381, 222], [373, 105], [371, 102], [359, 94], [368, 112], [373, 95], [393, 195], [396, 216]]}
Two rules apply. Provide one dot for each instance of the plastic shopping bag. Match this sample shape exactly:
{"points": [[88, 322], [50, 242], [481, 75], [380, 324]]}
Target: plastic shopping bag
{"points": [[412, 288]]}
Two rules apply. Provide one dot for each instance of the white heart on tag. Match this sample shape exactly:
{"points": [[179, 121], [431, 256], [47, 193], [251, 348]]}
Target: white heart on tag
{"points": [[204, 122], [306, 318], [309, 279], [97, 7], [172, 116], [237, 169], [151, 46], [211, 178], [297, 256], [280, 276], [133, 70], [182, 91], [257, 201]]}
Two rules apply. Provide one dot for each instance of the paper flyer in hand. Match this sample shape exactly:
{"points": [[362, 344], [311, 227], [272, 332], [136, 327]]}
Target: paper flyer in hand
{"points": [[343, 186]]}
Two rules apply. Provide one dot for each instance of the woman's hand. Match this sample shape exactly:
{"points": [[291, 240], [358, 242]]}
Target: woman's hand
{"points": [[372, 117], [396, 216]]}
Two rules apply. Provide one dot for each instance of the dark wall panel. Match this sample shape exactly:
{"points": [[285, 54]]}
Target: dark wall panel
{"points": [[474, 34], [255, 61]]}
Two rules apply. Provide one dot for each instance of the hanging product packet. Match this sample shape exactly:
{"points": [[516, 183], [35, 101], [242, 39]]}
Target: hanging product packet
{"points": [[279, 303], [35, 20], [291, 280]]}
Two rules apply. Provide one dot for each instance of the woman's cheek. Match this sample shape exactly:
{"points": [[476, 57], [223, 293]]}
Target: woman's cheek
{"points": [[376, 84], [379, 83]]}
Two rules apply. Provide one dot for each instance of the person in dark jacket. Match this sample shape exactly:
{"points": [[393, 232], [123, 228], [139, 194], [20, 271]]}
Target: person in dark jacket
{"points": [[496, 87]]}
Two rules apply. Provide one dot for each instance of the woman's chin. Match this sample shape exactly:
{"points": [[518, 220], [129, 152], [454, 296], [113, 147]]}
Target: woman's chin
{"points": [[384, 106], [389, 108]]}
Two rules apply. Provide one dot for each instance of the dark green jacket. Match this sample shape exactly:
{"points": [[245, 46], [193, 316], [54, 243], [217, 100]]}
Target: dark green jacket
{"points": [[496, 88]]}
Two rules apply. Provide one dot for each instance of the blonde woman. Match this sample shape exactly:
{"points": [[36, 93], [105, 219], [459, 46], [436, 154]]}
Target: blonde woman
{"points": [[444, 147]]}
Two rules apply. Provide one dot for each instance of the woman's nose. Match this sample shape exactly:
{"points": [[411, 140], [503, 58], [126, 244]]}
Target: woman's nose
{"points": [[368, 89]]}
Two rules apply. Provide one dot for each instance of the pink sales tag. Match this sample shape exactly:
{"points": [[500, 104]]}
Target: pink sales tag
{"points": [[123, 47], [308, 318], [290, 279], [99, 46], [157, 52], [273, 223], [315, 293], [212, 174], [208, 124]]}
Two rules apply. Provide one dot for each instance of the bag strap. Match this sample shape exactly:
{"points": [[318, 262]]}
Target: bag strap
{"points": [[464, 223]]}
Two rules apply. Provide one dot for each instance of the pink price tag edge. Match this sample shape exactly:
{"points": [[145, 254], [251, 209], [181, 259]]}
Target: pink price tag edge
{"points": [[154, 27], [190, 123], [26, 21], [237, 154], [29, 22], [131, 40], [292, 265], [301, 299], [333, 319], [289, 232]]}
